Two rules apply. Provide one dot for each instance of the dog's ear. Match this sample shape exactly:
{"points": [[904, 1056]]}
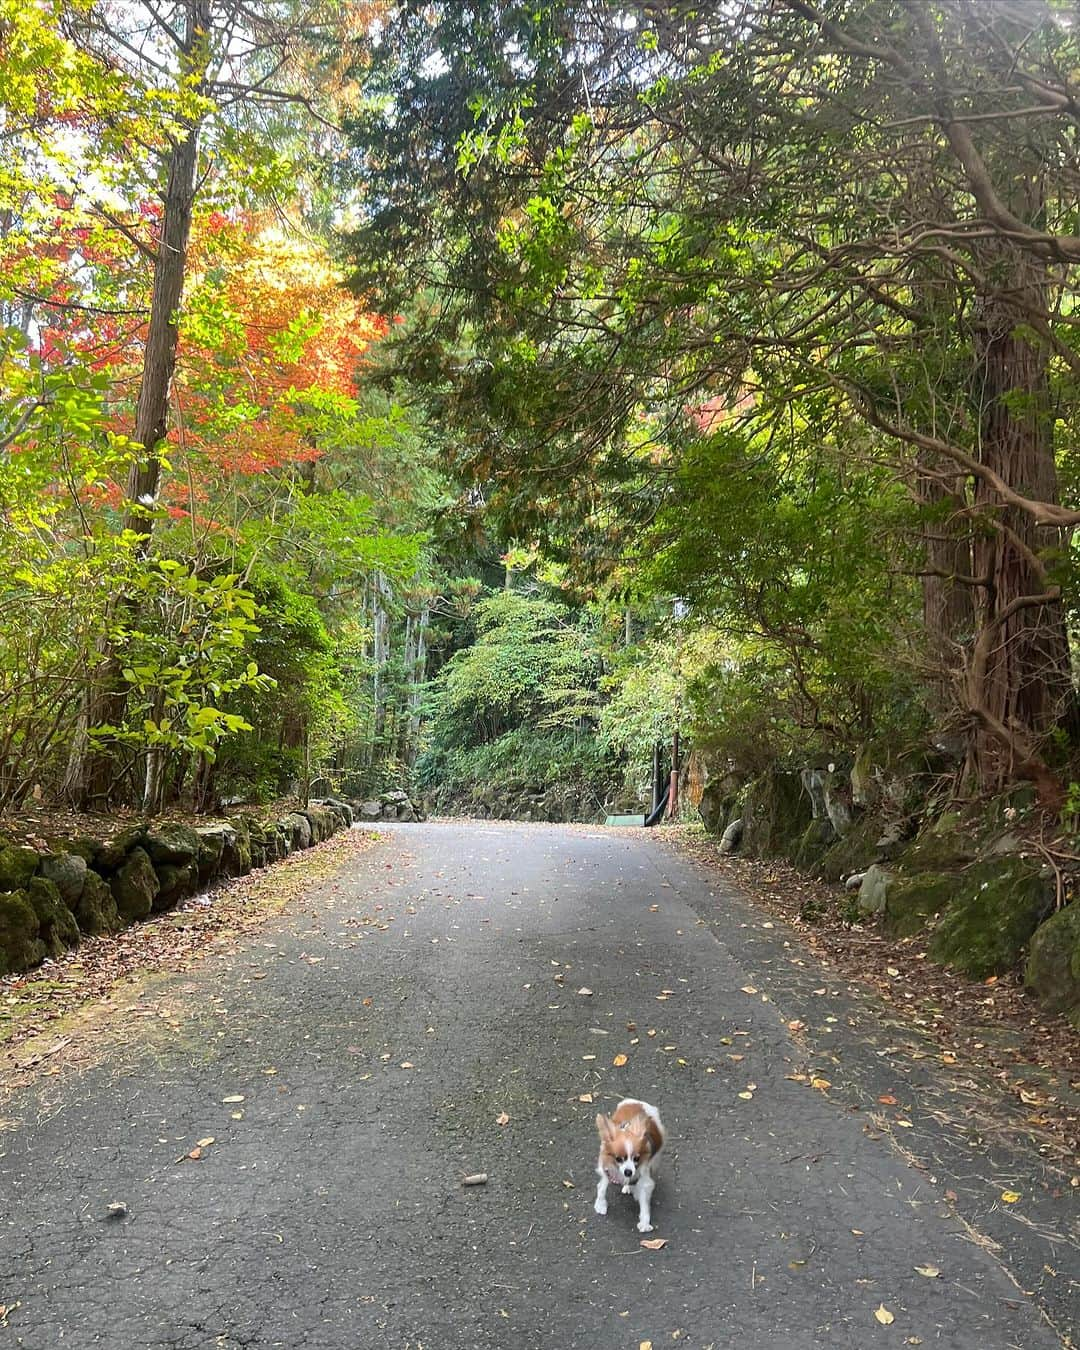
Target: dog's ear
{"points": [[603, 1126]]}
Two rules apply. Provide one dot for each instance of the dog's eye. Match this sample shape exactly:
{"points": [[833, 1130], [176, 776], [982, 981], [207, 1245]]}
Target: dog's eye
{"points": [[637, 1157]]}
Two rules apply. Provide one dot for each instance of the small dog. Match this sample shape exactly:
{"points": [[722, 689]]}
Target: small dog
{"points": [[630, 1141]]}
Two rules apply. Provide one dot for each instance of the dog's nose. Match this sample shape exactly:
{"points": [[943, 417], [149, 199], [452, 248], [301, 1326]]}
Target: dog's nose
{"points": [[628, 1171]]}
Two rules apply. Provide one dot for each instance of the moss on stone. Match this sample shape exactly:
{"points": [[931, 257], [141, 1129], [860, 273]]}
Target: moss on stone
{"points": [[20, 945], [135, 886], [998, 906], [68, 873], [816, 839], [17, 866], [912, 900], [169, 841], [939, 849], [56, 923], [853, 853], [1052, 972], [776, 815], [176, 881], [114, 852], [95, 910]]}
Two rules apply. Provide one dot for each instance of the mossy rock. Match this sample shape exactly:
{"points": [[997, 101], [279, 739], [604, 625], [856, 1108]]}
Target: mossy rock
{"points": [[95, 910], [82, 846], [937, 850], [135, 886], [170, 842], [873, 893], [1052, 972], [816, 840], [998, 906], [20, 945], [913, 900], [176, 881], [56, 923], [853, 853], [776, 815], [300, 829], [67, 871], [114, 852], [236, 855], [211, 848], [17, 866]]}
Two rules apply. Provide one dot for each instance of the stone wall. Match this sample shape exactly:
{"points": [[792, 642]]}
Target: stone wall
{"points": [[83, 887], [984, 900]]}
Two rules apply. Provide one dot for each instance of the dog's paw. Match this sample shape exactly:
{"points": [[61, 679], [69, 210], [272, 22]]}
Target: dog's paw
{"points": [[600, 1206], [645, 1228]]}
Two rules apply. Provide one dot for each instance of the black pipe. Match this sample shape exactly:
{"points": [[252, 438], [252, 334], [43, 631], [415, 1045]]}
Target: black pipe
{"points": [[658, 811]]}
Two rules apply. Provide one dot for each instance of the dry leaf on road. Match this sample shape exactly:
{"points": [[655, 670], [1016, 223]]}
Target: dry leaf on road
{"points": [[883, 1315], [653, 1244], [502, 1118], [619, 1061]]}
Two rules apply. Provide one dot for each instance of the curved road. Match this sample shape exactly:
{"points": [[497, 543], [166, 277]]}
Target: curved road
{"points": [[377, 1034]]}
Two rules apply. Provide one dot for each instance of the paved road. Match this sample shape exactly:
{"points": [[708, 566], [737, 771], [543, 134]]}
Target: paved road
{"points": [[376, 1034]]}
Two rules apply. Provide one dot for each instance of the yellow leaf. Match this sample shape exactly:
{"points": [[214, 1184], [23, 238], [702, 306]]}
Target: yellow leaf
{"points": [[931, 1272], [749, 989], [645, 1345], [822, 1084], [205, 1143], [585, 1097], [1010, 1197], [653, 1244], [619, 1061], [883, 1315], [746, 1096]]}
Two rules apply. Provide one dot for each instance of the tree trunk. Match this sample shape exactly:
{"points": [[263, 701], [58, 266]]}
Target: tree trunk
{"points": [[1019, 678], [88, 780]]}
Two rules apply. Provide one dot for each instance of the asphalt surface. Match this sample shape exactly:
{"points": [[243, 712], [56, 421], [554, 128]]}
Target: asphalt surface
{"points": [[377, 1034]]}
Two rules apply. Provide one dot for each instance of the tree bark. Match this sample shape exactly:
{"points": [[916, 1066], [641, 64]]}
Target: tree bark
{"points": [[1019, 680], [88, 781]]}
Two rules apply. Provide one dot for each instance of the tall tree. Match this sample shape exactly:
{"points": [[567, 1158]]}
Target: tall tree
{"points": [[810, 211]]}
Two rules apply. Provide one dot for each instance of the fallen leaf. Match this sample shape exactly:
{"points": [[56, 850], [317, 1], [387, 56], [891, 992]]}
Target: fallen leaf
{"points": [[904, 1124], [653, 909], [653, 1244], [746, 1096], [651, 1032], [406, 1064], [749, 989], [822, 1084], [883, 1315], [205, 1143], [796, 1025], [477, 1179], [619, 1061], [645, 1345], [892, 970], [586, 993], [950, 1196], [195, 1154], [588, 1056], [585, 1097], [931, 1272], [568, 1184], [502, 1118], [1010, 1197], [886, 1100], [230, 1101]]}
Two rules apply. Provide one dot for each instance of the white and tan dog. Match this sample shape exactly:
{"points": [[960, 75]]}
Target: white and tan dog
{"points": [[630, 1141]]}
